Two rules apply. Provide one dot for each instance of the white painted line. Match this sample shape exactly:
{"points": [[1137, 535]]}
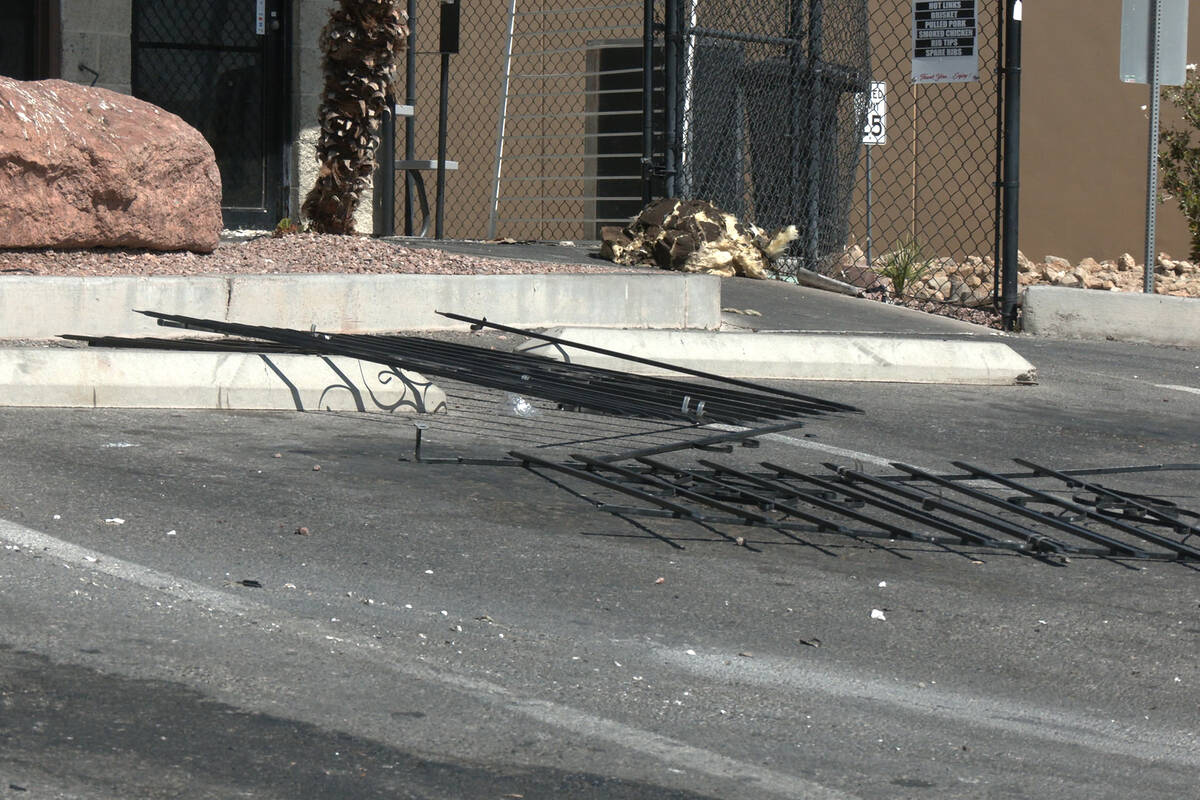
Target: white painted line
{"points": [[1008, 715], [856, 455], [1190, 389], [758, 780]]}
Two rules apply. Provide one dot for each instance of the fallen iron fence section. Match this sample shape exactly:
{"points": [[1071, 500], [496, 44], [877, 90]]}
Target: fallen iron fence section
{"points": [[1045, 512], [569, 385]]}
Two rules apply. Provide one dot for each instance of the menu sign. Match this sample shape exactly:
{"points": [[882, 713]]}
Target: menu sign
{"points": [[945, 37]]}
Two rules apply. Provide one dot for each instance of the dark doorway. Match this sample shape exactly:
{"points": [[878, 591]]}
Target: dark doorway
{"points": [[223, 65], [614, 90], [29, 39]]}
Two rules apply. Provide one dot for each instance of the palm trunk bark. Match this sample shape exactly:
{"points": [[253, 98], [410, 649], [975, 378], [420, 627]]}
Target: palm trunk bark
{"points": [[362, 44]]}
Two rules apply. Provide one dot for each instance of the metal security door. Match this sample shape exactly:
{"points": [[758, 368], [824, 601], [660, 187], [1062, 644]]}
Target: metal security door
{"points": [[222, 65]]}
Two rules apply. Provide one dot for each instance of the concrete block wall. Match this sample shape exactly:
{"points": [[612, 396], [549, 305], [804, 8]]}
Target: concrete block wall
{"points": [[309, 19], [95, 33]]}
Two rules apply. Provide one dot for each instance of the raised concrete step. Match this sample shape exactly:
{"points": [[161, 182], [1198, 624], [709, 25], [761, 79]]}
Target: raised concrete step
{"points": [[42, 307], [800, 356], [1121, 316], [117, 378]]}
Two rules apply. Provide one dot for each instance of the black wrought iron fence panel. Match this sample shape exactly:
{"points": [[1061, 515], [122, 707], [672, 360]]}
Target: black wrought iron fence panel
{"points": [[932, 185], [762, 112]]}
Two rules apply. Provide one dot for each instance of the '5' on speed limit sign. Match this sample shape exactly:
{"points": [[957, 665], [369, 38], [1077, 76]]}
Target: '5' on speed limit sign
{"points": [[875, 118]]}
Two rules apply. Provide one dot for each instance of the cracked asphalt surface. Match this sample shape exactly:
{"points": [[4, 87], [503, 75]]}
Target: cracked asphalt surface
{"points": [[473, 631]]}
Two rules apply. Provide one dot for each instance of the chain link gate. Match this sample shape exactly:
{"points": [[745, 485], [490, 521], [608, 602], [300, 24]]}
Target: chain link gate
{"points": [[761, 112], [761, 133]]}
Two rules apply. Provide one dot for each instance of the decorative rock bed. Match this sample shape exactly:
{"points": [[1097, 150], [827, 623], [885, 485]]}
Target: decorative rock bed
{"points": [[969, 282]]}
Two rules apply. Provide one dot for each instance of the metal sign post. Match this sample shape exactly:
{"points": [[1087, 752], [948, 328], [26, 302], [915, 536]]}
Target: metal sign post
{"points": [[1154, 51], [1152, 150], [874, 132], [447, 44]]}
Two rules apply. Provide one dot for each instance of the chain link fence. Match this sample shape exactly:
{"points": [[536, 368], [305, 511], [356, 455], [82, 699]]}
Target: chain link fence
{"points": [[932, 185], [544, 119], [547, 125], [758, 108], [472, 103]]}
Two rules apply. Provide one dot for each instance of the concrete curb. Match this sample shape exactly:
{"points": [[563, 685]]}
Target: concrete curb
{"points": [[801, 356], [42, 307], [108, 378], [1122, 316]]}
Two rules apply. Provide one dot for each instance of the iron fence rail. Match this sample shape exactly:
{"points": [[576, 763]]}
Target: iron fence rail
{"points": [[570, 385]]}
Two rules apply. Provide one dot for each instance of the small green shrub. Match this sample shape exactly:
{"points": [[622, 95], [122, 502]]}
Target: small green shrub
{"points": [[1179, 159], [904, 265], [286, 226]]}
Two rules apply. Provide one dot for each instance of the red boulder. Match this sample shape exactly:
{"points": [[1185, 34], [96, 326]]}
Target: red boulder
{"points": [[87, 167]]}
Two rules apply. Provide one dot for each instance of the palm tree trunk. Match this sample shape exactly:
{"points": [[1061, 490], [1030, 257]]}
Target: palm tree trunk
{"points": [[362, 44]]}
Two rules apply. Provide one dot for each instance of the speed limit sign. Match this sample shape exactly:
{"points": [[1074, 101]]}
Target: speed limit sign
{"points": [[875, 118]]}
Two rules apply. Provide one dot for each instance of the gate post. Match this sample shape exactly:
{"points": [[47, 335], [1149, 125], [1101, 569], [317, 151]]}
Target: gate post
{"points": [[1012, 159]]}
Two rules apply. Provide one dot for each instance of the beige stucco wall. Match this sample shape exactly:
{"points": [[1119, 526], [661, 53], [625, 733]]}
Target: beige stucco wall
{"points": [[95, 33], [1084, 137]]}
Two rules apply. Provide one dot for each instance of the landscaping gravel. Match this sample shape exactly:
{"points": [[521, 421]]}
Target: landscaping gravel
{"points": [[293, 253], [316, 253]]}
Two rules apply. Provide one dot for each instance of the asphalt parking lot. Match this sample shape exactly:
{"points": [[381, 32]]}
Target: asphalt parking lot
{"points": [[470, 630]]}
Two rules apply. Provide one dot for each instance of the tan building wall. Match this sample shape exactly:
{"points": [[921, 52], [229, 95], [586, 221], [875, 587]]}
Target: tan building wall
{"points": [[1084, 137], [1083, 141]]}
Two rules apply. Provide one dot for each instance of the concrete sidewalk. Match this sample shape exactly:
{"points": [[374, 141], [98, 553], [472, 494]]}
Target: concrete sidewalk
{"points": [[767, 355], [872, 341], [74, 377], [1047, 311]]}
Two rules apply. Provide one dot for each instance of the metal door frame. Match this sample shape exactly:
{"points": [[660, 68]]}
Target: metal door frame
{"points": [[275, 49]]}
